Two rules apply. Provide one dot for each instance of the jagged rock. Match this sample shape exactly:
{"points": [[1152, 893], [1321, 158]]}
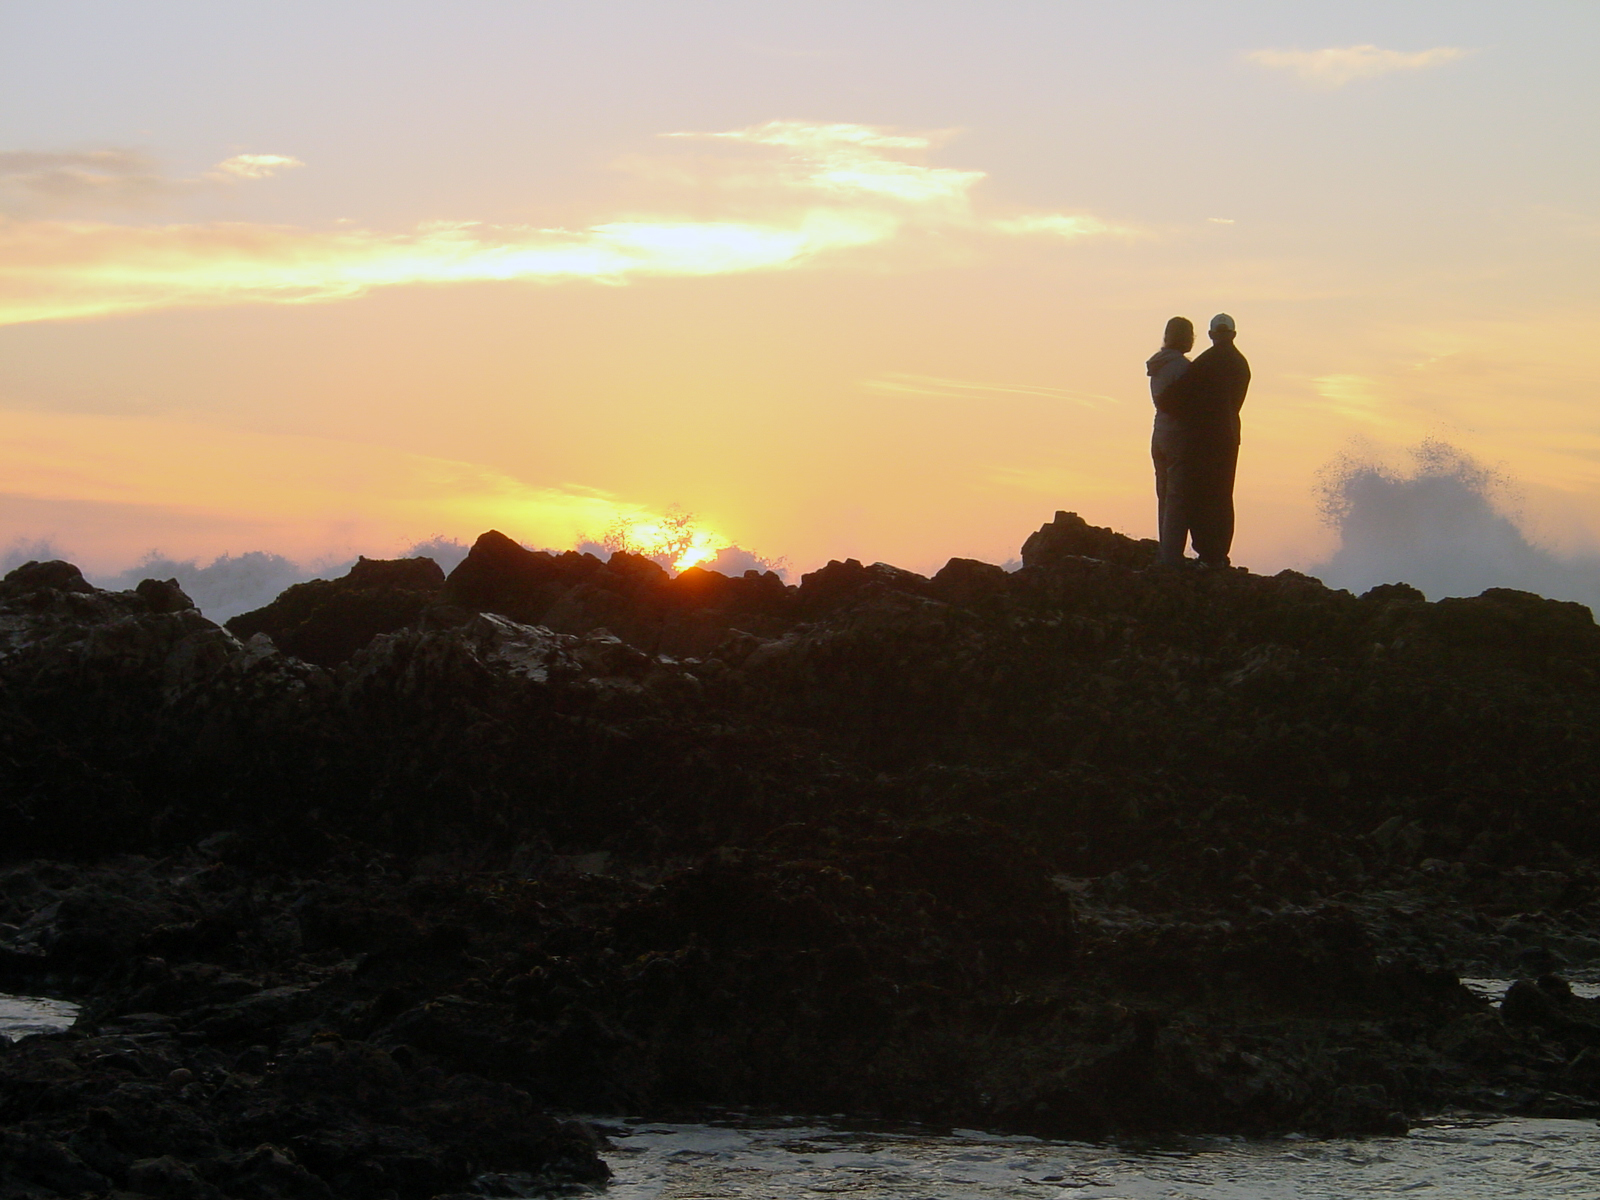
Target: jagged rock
{"points": [[1069, 535], [1549, 1003], [410, 574], [164, 595], [1389, 592], [37, 576], [502, 577], [268, 1173], [1058, 849], [629, 595], [840, 583], [32, 1165], [325, 621], [1505, 620], [170, 1178], [966, 581]]}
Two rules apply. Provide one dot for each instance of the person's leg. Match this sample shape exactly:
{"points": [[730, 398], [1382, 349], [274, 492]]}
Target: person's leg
{"points": [[1213, 517], [1178, 518], [1162, 463]]}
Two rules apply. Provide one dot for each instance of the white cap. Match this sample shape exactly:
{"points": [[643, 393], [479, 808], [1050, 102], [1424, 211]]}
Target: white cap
{"points": [[1223, 321]]}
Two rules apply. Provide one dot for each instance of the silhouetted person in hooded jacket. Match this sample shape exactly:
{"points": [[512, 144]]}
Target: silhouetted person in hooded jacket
{"points": [[1204, 402], [1165, 367]]}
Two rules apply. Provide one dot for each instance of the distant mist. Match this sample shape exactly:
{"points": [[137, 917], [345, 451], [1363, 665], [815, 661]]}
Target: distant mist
{"points": [[1446, 526], [231, 583], [237, 583], [228, 586]]}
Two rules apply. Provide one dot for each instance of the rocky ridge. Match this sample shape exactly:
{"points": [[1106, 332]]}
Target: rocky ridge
{"points": [[360, 888]]}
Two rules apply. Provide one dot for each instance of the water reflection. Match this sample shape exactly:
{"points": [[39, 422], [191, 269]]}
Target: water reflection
{"points": [[1463, 1159], [1494, 990], [23, 1016]]}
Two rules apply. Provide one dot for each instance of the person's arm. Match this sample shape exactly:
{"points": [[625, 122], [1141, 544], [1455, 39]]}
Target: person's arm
{"points": [[1242, 383], [1177, 399], [1164, 373]]}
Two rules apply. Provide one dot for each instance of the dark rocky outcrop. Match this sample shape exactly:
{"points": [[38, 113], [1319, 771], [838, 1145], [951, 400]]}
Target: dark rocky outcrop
{"points": [[1076, 849], [325, 621], [1070, 536], [628, 595], [500, 576], [33, 577], [163, 595]]}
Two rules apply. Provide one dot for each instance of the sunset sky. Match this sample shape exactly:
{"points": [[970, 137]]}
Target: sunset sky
{"points": [[864, 279]]}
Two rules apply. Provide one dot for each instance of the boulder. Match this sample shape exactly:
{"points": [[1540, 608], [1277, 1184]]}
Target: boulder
{"points": [[966, 581], [502, 577], [1069, 535], [325, 621], [164, 595], [843, 583], [37, 576]]}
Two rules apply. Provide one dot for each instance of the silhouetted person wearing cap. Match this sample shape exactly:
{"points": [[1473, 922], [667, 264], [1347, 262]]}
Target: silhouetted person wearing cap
{"points": [[1205, 402], [1165, 367]]}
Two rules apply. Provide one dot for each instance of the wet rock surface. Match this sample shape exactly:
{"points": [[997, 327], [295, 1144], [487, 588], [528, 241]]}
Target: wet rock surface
{"points": [[1077, 850]]}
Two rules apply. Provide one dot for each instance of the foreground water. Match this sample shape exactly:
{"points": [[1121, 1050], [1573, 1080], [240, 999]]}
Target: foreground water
{"points": [[23, 1016], [1461, 1159]]}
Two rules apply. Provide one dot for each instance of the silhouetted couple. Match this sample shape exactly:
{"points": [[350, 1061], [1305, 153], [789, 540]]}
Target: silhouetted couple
{"points": [[1195, 444]]}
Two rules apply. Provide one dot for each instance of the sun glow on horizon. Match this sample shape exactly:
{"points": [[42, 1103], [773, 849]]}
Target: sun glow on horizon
{"points": [[674, 539]]}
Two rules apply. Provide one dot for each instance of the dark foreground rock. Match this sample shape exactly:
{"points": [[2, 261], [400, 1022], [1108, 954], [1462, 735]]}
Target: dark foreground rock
{"points": [[1081, 849]]}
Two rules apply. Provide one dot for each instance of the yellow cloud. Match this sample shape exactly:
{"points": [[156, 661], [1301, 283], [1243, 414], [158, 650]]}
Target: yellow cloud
{"points": [[1352, 396], [257, 166], [836, 187], [56, 270], [898, 383], [852, 159], [1336, 66], [1065, 226], [812, 136]]}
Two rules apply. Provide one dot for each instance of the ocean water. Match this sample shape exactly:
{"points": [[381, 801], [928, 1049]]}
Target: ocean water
{"points": [[1494, 990], [1463, 1159], [22, 1016], [1458, 1158]]}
